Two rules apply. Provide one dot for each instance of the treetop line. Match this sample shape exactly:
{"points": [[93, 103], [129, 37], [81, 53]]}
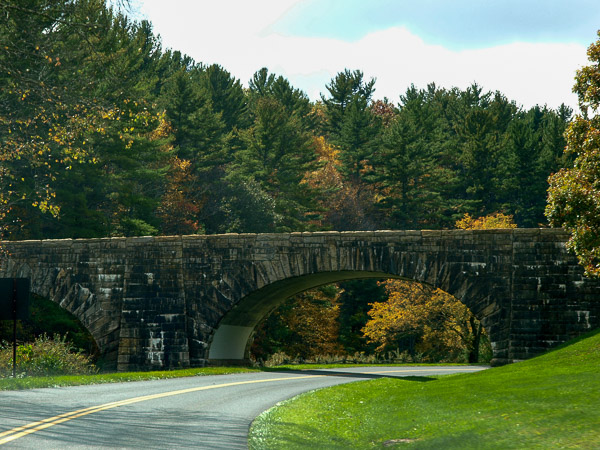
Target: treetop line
{"points": [[106, 134]]}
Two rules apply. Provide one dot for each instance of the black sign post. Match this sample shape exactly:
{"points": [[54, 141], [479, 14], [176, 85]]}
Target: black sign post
{"points": [[14, 304]]}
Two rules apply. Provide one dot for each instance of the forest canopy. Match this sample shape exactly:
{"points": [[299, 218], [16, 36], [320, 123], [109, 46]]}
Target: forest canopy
{"points": [[106, 133]]}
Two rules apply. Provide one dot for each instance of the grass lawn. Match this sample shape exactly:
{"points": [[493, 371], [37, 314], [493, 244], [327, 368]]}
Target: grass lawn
{"points": [[19, 383], [552, 401], [76, 380]]}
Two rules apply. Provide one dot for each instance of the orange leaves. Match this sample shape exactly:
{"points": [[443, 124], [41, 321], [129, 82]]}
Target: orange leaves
{"points": [[54, 61], [179, 208], [314, 318], [304, 326]]}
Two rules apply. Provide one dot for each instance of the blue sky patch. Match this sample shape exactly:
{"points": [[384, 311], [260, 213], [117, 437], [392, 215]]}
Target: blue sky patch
{"points": [[457, 24]]}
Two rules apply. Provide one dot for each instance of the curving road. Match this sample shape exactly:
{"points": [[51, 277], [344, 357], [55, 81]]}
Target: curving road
{"points": [[212, 412]]}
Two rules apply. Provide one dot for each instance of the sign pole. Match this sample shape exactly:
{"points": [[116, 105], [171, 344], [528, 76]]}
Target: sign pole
{"points": [[14, 302]]}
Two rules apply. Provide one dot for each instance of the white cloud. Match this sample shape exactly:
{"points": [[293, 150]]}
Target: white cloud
{"points": [[236, 35]]}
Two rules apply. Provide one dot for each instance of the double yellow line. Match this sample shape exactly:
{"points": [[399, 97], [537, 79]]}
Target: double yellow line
{"points": [[33, 427]]}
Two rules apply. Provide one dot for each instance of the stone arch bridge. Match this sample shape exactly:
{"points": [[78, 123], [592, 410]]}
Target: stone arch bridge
{"points": [[167, 302]]}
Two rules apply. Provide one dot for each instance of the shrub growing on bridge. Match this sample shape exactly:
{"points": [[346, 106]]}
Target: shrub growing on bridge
{"points": [[45, 357]]}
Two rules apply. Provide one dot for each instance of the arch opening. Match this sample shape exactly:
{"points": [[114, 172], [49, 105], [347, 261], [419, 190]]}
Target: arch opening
{"points": [[233, 337], [49, 318]]}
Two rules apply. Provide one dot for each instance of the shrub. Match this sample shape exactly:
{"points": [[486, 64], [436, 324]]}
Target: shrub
{"points": [[45, 357]]}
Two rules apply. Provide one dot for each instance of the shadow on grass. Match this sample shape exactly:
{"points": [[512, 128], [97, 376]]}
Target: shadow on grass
{"points": [[589, 334], [362, 375]]}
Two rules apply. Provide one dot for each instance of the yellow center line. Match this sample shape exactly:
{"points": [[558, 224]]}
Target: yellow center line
{"points": [[19, 432], [24, 430]]}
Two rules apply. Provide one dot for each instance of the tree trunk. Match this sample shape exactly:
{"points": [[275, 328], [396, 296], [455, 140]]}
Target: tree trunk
{"points": [[476, 328]]}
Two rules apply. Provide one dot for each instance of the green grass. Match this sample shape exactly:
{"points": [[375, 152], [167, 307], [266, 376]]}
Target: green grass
{"points": [[552, 401], [76, 380]]}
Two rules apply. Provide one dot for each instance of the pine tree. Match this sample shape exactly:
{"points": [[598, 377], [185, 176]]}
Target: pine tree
{"points": [[406, 166], [226, 95], [351, 124], [277, 154]]}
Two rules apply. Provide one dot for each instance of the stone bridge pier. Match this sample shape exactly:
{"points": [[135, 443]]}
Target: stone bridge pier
{"points": [[179, 301]]}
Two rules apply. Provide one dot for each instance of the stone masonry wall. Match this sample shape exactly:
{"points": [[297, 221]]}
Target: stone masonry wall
{"points": [[155, 302]]}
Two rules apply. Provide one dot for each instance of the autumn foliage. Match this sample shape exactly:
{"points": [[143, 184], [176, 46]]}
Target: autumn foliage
{"points": [[103, 132], [303, 327], [495, 220], [439, 326]]}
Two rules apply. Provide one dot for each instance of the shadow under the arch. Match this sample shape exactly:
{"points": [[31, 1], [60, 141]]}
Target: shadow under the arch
{"points": [[361, 375]]}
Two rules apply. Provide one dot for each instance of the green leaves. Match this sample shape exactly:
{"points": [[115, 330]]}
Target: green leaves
{"points": [[574, 193]]}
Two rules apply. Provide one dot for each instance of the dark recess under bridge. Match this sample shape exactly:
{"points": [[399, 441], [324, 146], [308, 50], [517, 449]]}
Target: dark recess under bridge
{"points": [[169, 302]]}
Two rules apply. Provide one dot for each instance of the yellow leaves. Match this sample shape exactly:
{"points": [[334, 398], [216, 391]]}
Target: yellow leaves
{"points": [[437, 318], [163, 129], [325, 150], [327, 176], [491, 221]]}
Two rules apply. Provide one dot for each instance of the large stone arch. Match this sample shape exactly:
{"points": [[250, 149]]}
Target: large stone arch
{"points": [[232, 338], [322, 258]]}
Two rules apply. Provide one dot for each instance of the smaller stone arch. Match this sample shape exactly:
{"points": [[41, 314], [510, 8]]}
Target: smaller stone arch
{"points": [[72, 292]]}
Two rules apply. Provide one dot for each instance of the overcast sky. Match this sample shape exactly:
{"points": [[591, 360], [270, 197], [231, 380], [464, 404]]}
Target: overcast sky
{"points": [[527, 49]]}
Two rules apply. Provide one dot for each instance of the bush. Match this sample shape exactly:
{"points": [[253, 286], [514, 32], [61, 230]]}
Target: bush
{"points": [[45, 357], [390, 357]]}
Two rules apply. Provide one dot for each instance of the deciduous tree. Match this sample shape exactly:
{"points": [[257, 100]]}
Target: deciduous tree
{"points": [[440, 325], [491, 221], [574, 193]]}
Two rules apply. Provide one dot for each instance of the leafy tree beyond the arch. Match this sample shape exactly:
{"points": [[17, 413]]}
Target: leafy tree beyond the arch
{"points": [[441, 326], [574, 193]]}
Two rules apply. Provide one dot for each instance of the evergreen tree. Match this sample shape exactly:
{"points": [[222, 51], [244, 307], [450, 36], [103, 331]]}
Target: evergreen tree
{"points": [[406, 166], [263, 85], [277, 154], [351, 124], [66, 105], [226, 95]]}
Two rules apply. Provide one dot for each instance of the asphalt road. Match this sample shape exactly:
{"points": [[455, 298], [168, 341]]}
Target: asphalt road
{"points": [[212, 412]]}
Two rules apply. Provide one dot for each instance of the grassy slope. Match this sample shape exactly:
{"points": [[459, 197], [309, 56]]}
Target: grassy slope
{"points": [[76, 380], [552, 401], [19, 383]]}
